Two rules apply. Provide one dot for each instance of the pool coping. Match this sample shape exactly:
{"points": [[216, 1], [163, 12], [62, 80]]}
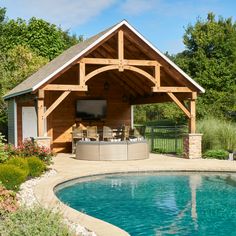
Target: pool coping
{"points": [[71, 169]]}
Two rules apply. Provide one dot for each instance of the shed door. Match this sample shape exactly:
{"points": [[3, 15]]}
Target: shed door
{"points": [[29, 123]]}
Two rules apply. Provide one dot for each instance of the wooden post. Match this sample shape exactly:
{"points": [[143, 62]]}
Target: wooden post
{"points": [[192, 119], [121, 49], [82, 74], [157, 76], [40, 112]]}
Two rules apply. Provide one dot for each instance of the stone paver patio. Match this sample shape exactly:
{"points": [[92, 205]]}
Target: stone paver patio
{"points": [[69, 168]]}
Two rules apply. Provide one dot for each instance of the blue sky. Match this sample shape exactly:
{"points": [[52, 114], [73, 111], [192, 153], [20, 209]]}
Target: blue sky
{"points": [[162, 22]]}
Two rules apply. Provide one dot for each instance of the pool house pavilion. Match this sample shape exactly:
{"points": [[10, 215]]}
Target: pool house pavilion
{"points": [[96, 83]]}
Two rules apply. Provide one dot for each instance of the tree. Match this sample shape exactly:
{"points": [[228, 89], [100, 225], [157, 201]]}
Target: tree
{"points": [[44, 38], [2, 14], [19, 63], [210, 59], [16, 65], [25, 47], [161, 111]]}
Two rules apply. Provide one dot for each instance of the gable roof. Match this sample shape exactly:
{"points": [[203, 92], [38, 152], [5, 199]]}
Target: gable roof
{"points": [[55, 66]]}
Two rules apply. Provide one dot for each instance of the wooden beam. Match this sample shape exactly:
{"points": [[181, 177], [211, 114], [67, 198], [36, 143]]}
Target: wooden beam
{"points": [[130, 62], [121, 49], [169, 89], [56, 103], [194, 95], [65, 87], [82, 74], [158, 76], [41, 94], [121, 45], [99, 61], [40, 111], [192, 119], [179, 104], [109, 61]]}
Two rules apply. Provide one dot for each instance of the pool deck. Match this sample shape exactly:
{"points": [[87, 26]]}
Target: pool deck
{"points": [[68, 168]]}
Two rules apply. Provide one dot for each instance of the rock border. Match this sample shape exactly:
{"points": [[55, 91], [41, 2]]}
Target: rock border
{"points": [[26, 197]]}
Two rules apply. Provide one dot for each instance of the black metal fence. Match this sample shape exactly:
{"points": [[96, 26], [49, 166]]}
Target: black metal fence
{"points": [[166, 139]]}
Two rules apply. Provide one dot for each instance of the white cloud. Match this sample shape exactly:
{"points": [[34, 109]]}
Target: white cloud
{"points": [[135, 7], [169, 8], [66, 13]]}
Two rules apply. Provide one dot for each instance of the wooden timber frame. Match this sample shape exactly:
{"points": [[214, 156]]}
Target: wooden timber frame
{"points": [[120, 64]]}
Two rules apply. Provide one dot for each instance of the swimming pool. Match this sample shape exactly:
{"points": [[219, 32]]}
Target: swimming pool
{"points": [[153, 204]]}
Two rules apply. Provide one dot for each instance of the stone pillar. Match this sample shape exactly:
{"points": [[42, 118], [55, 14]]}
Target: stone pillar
{"points": [[43, 141], [193, 146]]}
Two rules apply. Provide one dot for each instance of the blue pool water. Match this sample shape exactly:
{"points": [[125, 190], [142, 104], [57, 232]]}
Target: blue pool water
{"points": [[159, 204]]}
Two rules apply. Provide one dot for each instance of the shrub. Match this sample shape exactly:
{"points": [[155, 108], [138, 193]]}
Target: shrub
{"points": [[19, 162], [208, 127], [11, 150], [217, 134], [12, 176], [216, 154], [227, 136], [3, 152], [31, 148], [36, 166], [8, 202], [34, 221]]}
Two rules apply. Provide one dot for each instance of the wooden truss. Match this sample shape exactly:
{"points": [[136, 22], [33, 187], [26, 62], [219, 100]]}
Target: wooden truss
{"points": [[121, 65]]}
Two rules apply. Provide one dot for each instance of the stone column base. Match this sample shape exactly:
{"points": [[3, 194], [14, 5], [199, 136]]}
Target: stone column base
{"points": [[193, 146], [43, 141]]}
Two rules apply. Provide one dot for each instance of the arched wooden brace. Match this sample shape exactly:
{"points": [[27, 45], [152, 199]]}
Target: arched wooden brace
{"points": [[142, 72], [100, 70], [114, 67]]}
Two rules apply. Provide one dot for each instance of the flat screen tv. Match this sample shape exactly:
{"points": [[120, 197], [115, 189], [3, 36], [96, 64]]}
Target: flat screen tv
{"points": [[91, 109]]}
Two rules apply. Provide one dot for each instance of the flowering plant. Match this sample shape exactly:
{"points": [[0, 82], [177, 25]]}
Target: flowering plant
{"points": [[8, 201], [30, 148]]}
